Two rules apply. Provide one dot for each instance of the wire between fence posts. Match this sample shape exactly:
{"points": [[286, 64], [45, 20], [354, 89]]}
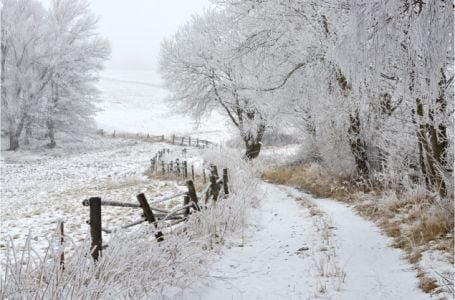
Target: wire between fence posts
{"points": [[168, 198], [149, 215]]}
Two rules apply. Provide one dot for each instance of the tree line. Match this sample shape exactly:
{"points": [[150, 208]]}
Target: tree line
{"points": [[49, 63], [367, 85]]}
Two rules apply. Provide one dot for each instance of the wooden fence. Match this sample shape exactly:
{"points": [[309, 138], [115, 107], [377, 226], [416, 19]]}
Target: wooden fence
{"points": [[191, 202], [172, 139]]}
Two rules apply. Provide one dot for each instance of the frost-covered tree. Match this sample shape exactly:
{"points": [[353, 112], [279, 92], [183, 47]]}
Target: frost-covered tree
{"points": [[204, 71], [79, 52], [49, 64]]}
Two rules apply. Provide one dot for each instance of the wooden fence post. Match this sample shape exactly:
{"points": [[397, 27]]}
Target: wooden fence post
{"points": [[62, 241], [149, 215], [225, 181], [113, 135], [203, 174], [192, 172], [185, 169], [214, 170], [189, 141], [197, 142], [95, 227], [186, 201], [162, 167], [214, 187], [173, 139], [177, 165], [182, 139], [192, 194]]}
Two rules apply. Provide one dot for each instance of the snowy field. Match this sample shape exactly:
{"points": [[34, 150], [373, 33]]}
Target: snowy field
{"points": [[134, 102], [41, 186], [38, 190]]}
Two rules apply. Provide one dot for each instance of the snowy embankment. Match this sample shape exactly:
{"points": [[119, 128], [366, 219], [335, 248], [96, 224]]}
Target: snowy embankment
{"points": [[299, 247]]}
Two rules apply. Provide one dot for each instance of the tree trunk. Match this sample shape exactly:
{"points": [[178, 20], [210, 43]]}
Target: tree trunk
{"points": [[431, 150], [13, 141], [252, 149], [51, 111], [358, 145], [50, 132]]}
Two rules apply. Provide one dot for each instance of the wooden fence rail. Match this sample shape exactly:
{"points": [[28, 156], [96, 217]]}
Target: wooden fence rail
{"points": [[158, 217]]}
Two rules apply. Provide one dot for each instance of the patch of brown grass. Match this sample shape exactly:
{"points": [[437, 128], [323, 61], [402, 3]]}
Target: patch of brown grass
{"points": [[311, 178], [427, 284]]}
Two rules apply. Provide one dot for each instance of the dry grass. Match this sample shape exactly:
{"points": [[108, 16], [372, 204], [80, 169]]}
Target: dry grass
{"points": [[313, 179], [415, 218]]}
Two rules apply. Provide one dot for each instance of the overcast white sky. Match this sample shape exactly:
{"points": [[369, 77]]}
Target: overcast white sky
{"points": [[135, 28]]}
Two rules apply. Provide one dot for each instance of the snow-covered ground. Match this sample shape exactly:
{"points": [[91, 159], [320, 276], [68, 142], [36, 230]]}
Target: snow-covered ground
{"points": [[299, 247], [39, 189]]}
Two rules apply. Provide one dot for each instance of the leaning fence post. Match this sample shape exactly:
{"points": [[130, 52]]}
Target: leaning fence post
{"points": [[186, 201], [149, 215], [192, 194], [95, 226], [225, 181]]}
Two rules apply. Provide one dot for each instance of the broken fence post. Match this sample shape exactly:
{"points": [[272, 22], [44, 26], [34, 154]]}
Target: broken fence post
{"points": [[148, 213]]}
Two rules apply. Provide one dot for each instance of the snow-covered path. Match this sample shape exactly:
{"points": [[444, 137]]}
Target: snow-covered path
{"points": [[298, 247]]}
